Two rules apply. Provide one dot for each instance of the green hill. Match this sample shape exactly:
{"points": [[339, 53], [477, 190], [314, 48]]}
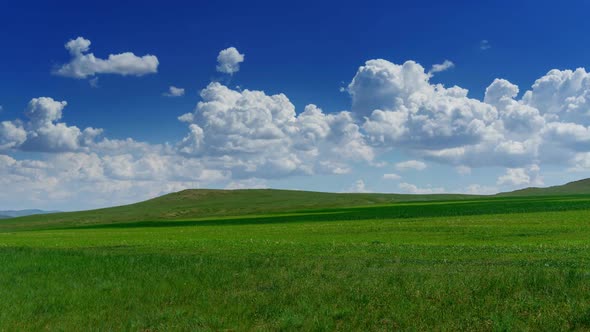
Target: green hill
{"points": [[201, 203], [579, 187]]}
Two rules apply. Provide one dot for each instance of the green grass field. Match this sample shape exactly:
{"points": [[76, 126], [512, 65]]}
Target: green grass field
{"points": [[198, 261]]}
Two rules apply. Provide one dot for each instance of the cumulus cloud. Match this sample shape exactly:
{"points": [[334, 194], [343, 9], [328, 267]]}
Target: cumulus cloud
{"points": [[253, 134], [518, 119], [12, 135], [514, 177], [563, 95], [521, 176], [44, 110], [84, 64], [358, 187], [391, 176], [174, 92], [580, 162], [43, 132], [410, 164], [403, 109], [243, 138], [228, 60], [440, 67]]}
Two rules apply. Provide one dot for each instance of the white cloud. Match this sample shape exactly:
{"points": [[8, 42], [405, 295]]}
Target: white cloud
{"points": [[569, 135], [12, 135], [404, 110], [242, 138], [563, 95], [410, 164], [253, 134], [228, 60], [174, 92], [391, 176], [413, 189], [84, 64], [358, 187], [521, 176], [580, 162], [514, 177], [484, 44], [380, 84], [44, 110], [517, 120], [43, 132], [440, 67]]}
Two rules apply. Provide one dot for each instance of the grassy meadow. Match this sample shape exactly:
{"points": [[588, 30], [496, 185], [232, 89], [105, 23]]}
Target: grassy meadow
{"points": [[349, 262]]}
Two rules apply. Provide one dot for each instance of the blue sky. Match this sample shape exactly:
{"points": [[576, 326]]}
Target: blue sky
{"points": [[311, 53]]}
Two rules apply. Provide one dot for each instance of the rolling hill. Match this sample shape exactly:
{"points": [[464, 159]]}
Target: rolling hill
{"points": [[201, 203], [196, 204], [579, 187]]}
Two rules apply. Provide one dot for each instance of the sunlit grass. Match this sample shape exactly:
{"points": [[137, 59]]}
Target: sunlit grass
{"points": [[372, 268]]}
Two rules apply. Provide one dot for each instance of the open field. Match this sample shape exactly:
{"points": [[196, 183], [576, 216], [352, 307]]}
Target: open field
{"points": [[496, 263]]}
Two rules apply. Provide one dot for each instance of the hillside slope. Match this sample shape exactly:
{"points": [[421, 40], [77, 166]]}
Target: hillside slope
{"points": [[203, 203], [579, 187], [200, 203]]}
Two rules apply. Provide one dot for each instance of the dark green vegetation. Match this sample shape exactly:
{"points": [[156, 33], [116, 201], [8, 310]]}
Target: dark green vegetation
{"points": [[212, 260]]}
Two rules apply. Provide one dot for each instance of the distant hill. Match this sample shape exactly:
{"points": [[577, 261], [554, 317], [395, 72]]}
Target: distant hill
{"points": [[22, 213], [579, 187], [200, 203]]}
